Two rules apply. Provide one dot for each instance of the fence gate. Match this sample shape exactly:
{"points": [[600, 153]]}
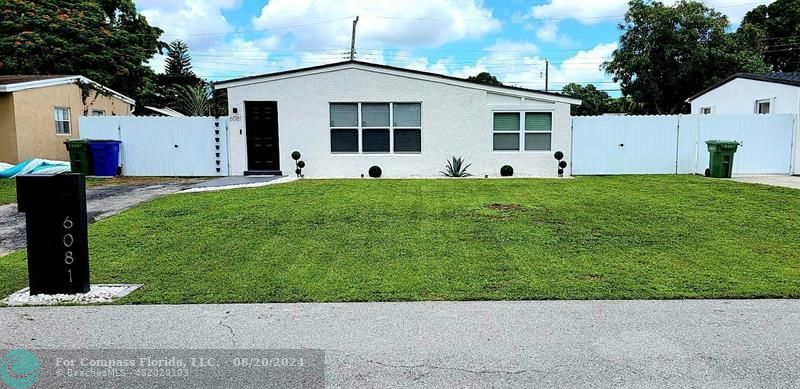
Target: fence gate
{"points": [[164, 146], [676, 144]]}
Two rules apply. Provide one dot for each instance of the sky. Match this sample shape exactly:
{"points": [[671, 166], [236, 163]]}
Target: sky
{"points": [[511, 39]]}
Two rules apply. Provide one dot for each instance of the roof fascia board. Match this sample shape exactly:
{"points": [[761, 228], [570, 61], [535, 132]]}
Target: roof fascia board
{"points": [[60, 81]]}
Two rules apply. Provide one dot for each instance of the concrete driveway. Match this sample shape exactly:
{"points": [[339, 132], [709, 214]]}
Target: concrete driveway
{"points": [[102, 200], [784, 181], [559, 344]]}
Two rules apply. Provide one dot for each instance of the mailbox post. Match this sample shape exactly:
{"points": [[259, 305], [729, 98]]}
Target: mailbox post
{"points": [[55, 223]]}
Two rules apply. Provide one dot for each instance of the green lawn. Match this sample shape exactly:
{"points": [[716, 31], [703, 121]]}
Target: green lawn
{"points": [[8, 191], [386, 240]]}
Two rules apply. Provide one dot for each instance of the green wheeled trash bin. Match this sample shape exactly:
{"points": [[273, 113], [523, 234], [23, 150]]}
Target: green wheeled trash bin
{"points": [[80, 159], [720, 158]]}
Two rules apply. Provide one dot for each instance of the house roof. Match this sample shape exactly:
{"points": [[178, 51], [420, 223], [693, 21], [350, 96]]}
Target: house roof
{"points": [[392, 69], [166, 111], [788, 78], [13, 83]]}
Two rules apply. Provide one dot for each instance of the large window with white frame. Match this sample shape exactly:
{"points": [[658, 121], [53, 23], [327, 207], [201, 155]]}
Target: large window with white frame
{"points": [[376, 127], [61, 115], [522, 131]]}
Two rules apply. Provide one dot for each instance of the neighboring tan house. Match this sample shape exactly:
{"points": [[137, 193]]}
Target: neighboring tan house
{"points": [[749, 93], [39, 112]]}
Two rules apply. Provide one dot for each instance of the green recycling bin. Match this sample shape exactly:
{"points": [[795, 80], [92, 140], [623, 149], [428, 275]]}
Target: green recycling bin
{"points": [[80, 159], [720, 158]]}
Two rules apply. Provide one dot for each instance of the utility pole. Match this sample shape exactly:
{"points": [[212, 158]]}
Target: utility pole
{"points": [[353, 40], [546, 75]]}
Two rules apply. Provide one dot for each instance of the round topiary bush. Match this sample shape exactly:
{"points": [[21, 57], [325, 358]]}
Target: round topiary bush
{"points": [[297, 171], [301, 164], [295, 155], [506, 171], [559, 155], [562, 164], [375, 172]]}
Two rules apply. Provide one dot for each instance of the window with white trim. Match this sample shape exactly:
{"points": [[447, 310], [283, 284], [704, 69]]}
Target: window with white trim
{"points": [[522, 131], [376, 127], [61, 115], [98, 112], [762, 106], [705, 111]]}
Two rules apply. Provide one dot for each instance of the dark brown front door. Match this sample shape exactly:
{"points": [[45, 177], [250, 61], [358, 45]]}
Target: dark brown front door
{"points": [[261, 121]]}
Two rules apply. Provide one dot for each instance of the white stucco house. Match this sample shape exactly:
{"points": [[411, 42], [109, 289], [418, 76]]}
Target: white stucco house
{"points": [[749, 93], [346, 117]]}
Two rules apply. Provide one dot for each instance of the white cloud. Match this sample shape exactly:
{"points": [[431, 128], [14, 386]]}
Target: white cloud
{"points": [[200, 23], [410, 23]]}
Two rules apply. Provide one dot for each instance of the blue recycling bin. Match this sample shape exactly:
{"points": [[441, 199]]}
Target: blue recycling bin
{"points": [[105, 157]]}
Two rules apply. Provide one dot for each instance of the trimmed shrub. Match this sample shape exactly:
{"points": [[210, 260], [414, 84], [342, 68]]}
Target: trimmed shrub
{"points": [[506, 171], [295, 155], [375, 172]]}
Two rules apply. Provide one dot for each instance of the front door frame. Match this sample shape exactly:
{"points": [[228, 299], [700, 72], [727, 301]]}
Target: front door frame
{"points": [[253, 170]]}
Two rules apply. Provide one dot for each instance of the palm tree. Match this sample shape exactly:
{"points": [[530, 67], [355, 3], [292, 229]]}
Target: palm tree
{"points": [[194, 100]]}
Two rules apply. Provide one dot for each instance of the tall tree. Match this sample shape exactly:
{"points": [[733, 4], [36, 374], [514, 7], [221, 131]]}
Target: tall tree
{"points": [[485, 78], [106, 41], [178, 62], [595, 102], [780, 24], [668, 53]]}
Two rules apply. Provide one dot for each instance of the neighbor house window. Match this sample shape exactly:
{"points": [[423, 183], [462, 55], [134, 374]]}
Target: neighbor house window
{"points": [[375, 127], [762, 106], [535, 129], [62, 120], [344, 128], [98, 112], [705, 111]]}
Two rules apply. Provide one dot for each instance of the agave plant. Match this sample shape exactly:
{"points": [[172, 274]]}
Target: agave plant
{"points": [[456, 168]]}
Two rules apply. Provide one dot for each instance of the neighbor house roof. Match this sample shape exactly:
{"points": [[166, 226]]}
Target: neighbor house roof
{"points": [[788, 78], [418, 74], [13, 83]]}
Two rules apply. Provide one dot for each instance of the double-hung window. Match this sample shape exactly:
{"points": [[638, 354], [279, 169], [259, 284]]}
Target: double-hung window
{"points": [[344, 128], [515, 131], [375, 127], [407, 123], [61, 115]]}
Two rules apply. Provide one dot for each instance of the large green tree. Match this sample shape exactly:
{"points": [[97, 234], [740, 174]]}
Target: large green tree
{"points": [[105, 40], [780, 24], [668, 53], [595, 102]]}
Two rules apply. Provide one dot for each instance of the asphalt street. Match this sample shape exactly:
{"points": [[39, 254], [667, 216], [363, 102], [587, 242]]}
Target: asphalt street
{"points": [[636, 344]]}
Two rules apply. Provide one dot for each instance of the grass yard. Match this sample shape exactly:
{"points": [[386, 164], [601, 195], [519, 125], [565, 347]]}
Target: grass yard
{"points": [[8, 191], [631, 237]]}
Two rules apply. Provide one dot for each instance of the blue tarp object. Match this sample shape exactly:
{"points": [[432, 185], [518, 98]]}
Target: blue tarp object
{"points": [[33, 166]]}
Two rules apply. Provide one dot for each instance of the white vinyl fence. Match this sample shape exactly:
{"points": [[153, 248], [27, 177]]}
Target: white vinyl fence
{"points": [[164, 146], [676, 144]]}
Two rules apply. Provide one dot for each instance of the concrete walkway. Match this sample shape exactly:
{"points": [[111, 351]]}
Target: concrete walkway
{"points": [[636, 344], [784, 181]]}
